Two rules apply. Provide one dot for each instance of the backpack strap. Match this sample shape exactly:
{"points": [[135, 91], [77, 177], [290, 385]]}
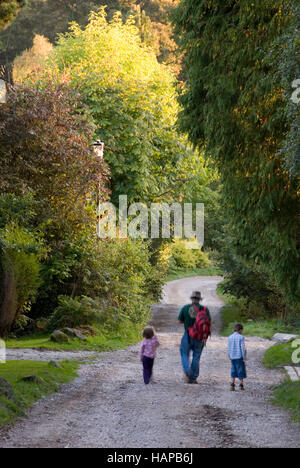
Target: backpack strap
{"points": [[199, 310]]}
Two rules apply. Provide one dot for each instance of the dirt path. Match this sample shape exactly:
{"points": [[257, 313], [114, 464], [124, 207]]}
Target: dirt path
{"points": [[109, 406]]}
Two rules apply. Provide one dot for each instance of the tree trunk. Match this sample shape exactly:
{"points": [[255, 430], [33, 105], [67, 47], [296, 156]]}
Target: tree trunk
{"points": [[8, 308]]}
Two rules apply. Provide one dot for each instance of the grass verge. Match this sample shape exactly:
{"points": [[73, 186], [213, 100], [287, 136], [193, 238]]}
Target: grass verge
{"points": [[126, 335], [287, 395], [279, 355], [182, 273], [27, 393], [232, 313]]}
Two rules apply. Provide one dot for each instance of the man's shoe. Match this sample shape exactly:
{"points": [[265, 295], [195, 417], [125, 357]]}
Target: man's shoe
{"points": [[186, 378]]}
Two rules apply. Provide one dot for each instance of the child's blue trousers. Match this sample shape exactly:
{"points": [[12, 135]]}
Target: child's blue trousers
{"points": [[147, 368]]}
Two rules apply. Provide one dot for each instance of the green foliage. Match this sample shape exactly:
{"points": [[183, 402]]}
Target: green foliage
{"points": [[27, 393], [20, 255], [287, 393], [279, 355], [76, 312], [8, 9], [253, 317], [51, 17], [20, 210], [117, 271], [113, 278], [123, 334], [245, 280], [286, 58], [288, 396], [182, 257], [102, 81], [235, 108], [131, 98], [45, 149], [152, 20]]}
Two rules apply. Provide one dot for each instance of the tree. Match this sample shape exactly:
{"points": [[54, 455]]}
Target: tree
{"points": [[30, 60], [132, 100], [45, 147], [46, 155], [8, 9], [286, 58], [236, 111], [48, 18]]}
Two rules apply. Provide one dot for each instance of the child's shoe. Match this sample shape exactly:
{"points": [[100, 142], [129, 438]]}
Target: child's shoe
{"points": [[241, 386], [232, 387]]}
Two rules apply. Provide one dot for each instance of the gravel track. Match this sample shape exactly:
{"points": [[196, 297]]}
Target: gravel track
{"points": [[108, 405]]}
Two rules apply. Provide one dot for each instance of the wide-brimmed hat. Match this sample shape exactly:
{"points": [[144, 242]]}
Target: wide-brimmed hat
{"points": [[196, 295]]}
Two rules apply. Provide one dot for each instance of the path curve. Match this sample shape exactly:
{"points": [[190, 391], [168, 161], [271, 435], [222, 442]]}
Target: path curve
{"points": [[108, 405]]}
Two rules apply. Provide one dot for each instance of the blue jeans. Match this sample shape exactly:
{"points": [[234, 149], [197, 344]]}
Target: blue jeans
{"points": [[238, 369], [189, 344]]}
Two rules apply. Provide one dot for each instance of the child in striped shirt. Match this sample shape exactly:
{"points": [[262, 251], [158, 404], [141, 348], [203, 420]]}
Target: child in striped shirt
{"points": [[237, 354]]}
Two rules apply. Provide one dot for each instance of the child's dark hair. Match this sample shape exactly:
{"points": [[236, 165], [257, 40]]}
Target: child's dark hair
{"points": [[148, 333], [238, 327]]}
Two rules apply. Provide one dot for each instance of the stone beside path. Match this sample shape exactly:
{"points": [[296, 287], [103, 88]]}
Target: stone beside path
{"points": [[284, 337]]}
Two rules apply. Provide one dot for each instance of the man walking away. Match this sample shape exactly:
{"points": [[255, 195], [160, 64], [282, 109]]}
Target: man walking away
{"points": [[187, 316]]}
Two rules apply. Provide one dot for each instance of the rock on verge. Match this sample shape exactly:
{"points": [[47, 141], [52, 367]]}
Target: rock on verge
{"points": [[33, 379], [6, 389], [283, 338], [59, 337], [54, 364], [74, 333]]}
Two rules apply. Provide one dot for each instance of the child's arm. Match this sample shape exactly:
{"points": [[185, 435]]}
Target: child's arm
{"points": [[228, 348], [243, 349], [157, 343], [142, 348]]}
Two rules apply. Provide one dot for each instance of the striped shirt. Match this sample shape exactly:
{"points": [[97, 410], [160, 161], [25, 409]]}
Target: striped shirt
{"points": [[236, 346]]}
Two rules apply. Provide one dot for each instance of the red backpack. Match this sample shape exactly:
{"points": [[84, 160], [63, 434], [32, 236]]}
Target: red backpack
{"points": [[201, 328]]}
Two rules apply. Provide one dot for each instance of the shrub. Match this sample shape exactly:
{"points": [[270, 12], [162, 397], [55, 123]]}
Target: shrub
{"points": [[182, 257], [20, 210], [77, 312], [117, 271], [20, 278], [37, 124], [262, 298]]}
